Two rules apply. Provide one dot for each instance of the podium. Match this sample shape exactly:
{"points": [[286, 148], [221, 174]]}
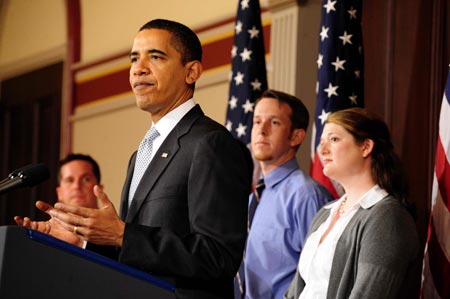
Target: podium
{"points": [[35, 265]]}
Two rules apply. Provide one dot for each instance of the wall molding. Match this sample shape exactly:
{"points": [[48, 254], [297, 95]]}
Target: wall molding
{"points": [[34, 62]]}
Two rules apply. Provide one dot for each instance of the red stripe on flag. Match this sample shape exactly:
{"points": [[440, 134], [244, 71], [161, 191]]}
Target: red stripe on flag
{"points": [[438, 236], [439, 265], [317, 173], [443, 173]]}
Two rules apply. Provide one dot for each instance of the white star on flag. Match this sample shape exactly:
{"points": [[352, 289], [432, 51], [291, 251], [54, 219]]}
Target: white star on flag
{"points": [[320, 61], [244, 4], [346, 38], [246, 54], [253, 32], [323, 117], [248, 106], [331, 90], [324, 33], [229, 125], [338, 64], [239, 78], [233, 102], [238, 27], [256, 84], [352, 13], [330, 6], [241, 130], [234, 51]]}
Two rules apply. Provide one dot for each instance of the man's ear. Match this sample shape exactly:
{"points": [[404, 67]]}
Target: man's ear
{"points": [[297, 137], [58, 191], [194, 70], [367, 147]]}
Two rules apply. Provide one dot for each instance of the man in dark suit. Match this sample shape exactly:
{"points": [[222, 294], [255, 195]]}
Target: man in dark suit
{"points": [[185, 219]]}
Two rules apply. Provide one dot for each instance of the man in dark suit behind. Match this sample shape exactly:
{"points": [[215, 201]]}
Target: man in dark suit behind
{"points": [[186, 221]]}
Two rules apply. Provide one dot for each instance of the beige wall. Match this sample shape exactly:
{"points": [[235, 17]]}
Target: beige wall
{"points": [[111, 129], [32, 34], [120, 20]]}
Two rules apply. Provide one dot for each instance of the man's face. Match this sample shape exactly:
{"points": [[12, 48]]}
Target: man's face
{"points": [[273, 140], [77, 183], [157, 75]]}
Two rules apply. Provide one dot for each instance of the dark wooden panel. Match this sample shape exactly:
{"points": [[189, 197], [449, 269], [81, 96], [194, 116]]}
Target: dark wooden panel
{"points": [[30, 112], [407, 53], [402, 68]]}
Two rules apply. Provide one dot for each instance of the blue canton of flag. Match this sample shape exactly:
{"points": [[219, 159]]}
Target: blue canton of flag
{"points": [[340, 70], [248, 77]]}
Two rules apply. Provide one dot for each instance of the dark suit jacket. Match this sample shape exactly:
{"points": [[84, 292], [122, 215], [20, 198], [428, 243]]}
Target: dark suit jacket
{"points": [[187, 220]]}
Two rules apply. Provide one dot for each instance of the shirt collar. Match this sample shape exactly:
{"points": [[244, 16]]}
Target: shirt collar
{"points": [[373, 196], [369, 199], [171, 119], [280, 173]]}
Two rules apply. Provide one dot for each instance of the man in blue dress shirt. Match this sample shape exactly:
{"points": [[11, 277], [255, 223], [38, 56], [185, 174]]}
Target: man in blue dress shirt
{"points": [[288, 202]]}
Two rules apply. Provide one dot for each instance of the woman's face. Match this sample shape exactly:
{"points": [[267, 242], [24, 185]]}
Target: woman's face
{"points": [[341, 157]]}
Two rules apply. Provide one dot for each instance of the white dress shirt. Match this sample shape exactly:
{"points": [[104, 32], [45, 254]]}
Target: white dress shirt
{"points": [[166, 124]]}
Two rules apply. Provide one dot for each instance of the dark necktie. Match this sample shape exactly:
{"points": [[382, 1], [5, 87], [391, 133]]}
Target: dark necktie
{"points": [[239, 280], [255, 201]]}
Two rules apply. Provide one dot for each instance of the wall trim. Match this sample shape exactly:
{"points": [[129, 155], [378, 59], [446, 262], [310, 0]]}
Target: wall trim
{"points": [[33, 62]]}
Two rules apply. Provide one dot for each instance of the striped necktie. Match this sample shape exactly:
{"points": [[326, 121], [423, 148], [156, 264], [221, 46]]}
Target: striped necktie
{"points": [[143, 158]]}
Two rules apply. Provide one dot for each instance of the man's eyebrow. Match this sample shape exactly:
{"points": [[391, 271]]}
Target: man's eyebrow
{"points": [[151, 51]]}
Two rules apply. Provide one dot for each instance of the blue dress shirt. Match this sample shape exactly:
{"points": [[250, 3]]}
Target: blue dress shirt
{"points": [[280, 224]]}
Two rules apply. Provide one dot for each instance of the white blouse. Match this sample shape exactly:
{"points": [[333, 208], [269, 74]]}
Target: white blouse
{"points": [[316, 258]]}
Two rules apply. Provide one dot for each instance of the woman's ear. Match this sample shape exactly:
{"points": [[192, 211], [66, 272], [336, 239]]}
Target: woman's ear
{"points": [[367, 147], [194, 70]]}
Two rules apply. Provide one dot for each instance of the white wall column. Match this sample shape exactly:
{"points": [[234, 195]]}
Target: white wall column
{"points": [[293, 51]]}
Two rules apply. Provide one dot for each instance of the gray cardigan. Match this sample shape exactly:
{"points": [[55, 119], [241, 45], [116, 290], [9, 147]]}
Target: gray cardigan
{"points": [[377, 255]]}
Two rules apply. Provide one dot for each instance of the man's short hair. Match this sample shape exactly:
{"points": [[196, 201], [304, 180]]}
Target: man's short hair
{"points": [[82, 157], [299, 115]]}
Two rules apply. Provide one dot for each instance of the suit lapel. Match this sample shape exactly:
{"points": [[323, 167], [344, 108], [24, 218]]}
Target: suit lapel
{"points": [[126, 187], [160, 161]]}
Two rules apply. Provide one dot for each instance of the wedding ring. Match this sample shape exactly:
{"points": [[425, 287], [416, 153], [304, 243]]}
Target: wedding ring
{"points": [[75, 230]]}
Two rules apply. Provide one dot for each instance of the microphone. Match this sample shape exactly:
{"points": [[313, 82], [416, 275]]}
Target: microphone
{"points": [[27, 176], [14, 174]]}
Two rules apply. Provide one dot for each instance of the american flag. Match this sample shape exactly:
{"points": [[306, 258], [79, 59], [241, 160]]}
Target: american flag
{"points": [[436, 270], [248, 78], [340, 71]]}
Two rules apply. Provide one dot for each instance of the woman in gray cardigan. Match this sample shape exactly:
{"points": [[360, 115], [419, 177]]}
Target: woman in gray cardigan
{"points": [[365, 244]]}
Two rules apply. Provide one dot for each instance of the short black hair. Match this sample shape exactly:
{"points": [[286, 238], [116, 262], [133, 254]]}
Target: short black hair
{"points": [[72, 157], [184, 40]]}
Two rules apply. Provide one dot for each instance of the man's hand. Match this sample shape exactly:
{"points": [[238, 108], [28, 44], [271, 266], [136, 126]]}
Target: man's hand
{"points": [[100, 226], [50, 227], [41, 226]]}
